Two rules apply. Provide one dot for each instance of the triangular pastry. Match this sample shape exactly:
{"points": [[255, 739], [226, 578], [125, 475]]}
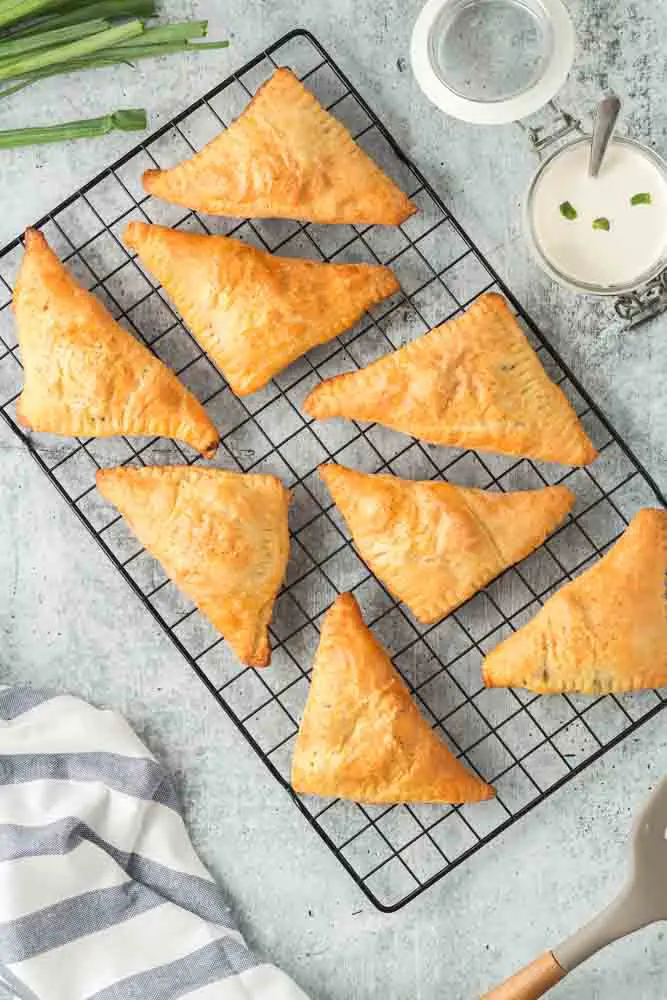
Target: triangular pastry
{"points": [[604, 631], [84, 374], [221, 537], [254, 313], [362, 736], [433, 544], [284, 157], [474, 382]]}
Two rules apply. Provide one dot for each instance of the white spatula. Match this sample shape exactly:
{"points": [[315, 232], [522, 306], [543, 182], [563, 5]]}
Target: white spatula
{"points": [[642, 901]]}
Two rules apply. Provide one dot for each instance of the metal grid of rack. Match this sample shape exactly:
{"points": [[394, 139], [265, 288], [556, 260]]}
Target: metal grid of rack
{"points": [[524, 744]]}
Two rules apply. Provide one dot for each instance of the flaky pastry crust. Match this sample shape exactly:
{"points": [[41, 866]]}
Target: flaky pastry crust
{"points": [[84, 374], [605, 631], [252, 312], [433, 544], [474, 382], [362, 736], [221, 536], [284, 157]]}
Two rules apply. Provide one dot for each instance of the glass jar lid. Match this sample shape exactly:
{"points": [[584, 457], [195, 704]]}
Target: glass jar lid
{"points": [[492, 61]]}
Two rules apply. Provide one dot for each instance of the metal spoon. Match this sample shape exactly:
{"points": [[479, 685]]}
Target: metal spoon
{"points": [[642, 901], [605, 120]]}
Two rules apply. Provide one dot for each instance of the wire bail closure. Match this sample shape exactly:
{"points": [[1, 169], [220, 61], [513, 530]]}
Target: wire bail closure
{"points": [[559, 125], [647, 302]]}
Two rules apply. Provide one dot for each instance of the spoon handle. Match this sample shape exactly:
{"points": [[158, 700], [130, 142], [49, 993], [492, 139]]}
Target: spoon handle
{"points": [[607, 113], [530, 983]]}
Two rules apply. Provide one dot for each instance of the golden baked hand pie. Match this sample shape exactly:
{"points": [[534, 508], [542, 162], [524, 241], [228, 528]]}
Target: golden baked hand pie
{"points": [[84, 374], [254, 313], [433, 544], [362, 736], [604, 631], [284, 157], [474, 382], [221, 537]]}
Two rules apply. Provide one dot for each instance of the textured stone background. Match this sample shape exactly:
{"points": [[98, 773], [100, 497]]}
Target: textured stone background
{"points": [[61, 601]]}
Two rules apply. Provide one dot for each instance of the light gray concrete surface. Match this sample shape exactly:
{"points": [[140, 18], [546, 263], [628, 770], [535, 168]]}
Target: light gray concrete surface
{"points": [[68, 620]]}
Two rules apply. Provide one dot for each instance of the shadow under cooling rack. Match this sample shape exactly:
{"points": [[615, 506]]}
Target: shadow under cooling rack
{"points": [[526, 745]]}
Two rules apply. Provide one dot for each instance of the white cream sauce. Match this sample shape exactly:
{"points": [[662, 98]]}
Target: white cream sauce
{"points": [[637, 235]]}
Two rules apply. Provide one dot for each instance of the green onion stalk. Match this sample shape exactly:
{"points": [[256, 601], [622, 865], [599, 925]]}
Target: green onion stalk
{"points": [[28, 62], [85, 12], [131, 120], [46, 38]]}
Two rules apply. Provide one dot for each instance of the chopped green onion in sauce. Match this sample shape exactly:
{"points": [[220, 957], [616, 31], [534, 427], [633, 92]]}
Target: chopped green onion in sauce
{"points": [[642, 198], [602, 223], [567, 210]]}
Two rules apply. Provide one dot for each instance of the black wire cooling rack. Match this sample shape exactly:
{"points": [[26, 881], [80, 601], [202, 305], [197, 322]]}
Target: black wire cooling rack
{"points": [[526, 745]]}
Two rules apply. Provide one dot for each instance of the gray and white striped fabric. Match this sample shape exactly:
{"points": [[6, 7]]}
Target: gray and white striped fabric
{"points": [[102, 896]]}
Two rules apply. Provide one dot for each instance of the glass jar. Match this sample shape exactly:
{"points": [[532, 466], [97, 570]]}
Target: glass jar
{"points": [[611, 246]]}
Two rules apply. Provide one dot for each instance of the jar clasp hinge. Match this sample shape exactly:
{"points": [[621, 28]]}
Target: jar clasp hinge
{"points": [[560, 124], [645, 303]]}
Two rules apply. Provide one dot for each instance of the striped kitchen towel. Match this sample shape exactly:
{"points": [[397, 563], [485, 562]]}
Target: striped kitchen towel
{"points": [[101, 893]]}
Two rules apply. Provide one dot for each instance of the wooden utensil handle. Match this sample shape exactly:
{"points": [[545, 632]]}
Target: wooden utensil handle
{"points": [[531, 982]]}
